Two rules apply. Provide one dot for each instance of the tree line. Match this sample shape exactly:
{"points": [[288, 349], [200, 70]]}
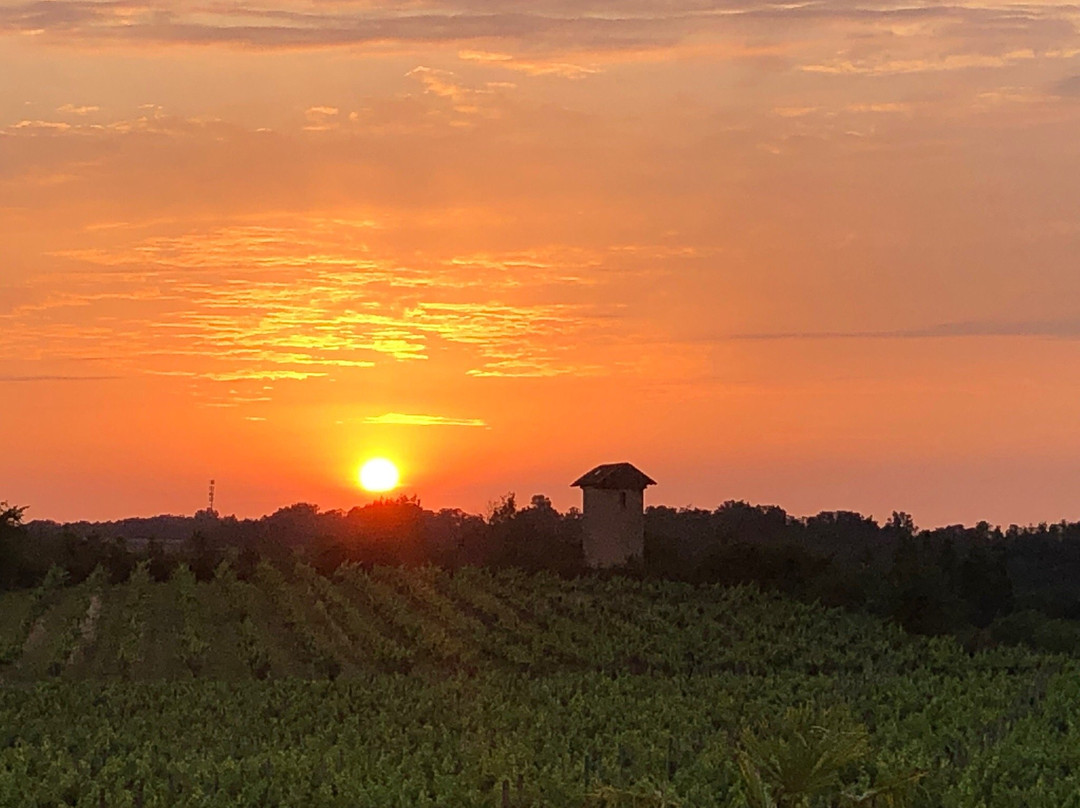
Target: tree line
{"points": [[983, 584]]}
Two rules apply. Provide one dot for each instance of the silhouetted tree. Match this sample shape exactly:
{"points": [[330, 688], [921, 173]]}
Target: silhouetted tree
{"points": [[119, 561], [11, 536], [502, 510], [247, 561], [160, 566], [984, 584], [204, 555], [956, 578], [921, 599]]}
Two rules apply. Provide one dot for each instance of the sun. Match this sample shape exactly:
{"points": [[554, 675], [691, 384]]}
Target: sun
{"points": [[379, 474]]}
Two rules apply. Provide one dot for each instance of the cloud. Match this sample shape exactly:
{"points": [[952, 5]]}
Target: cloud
{"points": [[153, 120], [438, 82], [401, 419], [72, 109], [268, 375], [1067, 328], [261, 302], [39, 126], [1069, 86], [57, 378], [546, 26], [885, 66], [530, 67], [321, 119], [462, 104], [271, 27]]}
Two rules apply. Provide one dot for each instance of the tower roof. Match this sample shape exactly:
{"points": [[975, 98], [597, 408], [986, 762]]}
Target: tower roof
{"points": [[624, 476]]}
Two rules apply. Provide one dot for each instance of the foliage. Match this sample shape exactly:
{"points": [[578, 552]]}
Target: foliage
{"points": [[40, 599], [642, 795], [952, 580], [193, 646], [801, 759], [435, 687], [78, 630], [11, 517], [130, 650], [816, 758]]}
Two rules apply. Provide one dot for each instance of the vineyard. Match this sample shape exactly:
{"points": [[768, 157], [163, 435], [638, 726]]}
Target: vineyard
{"points": [[413, 687]]}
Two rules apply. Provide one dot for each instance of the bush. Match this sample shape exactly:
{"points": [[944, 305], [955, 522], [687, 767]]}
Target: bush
{"points": [[811, 758]]}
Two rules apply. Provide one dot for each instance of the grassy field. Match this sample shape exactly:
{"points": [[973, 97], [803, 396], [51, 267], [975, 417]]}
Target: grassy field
{"points": [[418, 687]]}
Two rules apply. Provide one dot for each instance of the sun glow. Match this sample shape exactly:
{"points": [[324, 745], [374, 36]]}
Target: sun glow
{"points": [[379, 474]]}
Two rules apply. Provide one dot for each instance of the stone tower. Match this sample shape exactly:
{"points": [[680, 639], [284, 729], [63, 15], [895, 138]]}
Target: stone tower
{"points": [[613, 513]]}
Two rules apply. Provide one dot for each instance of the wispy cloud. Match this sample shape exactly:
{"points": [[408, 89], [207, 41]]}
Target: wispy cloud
{"points": [[1069, 86], [332, 25], [81, 109], [54, 378], [878, 66], [1066, 328], [403, 419], [550, 27], [272, 303], [151, 119], [531, 67]]}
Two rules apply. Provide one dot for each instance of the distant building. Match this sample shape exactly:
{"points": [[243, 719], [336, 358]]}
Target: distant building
{"points": [[613, 513]]}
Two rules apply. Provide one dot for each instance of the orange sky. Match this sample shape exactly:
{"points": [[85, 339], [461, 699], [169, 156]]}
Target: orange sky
{"points": [[818, 255]]}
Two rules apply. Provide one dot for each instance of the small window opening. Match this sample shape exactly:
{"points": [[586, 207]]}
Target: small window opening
{"points": [[622, 500]]}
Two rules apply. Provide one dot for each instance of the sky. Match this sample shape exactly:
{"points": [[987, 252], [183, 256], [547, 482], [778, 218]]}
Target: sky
{"points": [[824, 255]]}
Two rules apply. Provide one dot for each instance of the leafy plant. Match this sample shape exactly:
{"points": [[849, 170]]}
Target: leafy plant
{"points": [[642, 795], [193, 646], [816, 758], [41, 598]]}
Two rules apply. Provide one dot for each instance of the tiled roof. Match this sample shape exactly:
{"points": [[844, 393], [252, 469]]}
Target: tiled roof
{"points": [[615, 475]]}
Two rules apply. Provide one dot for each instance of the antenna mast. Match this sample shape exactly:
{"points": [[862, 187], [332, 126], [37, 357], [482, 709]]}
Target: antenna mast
{"points": [[212, 511]]}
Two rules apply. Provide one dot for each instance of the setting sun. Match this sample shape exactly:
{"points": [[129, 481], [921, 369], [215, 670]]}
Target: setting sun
{"points": [[379, 474]]}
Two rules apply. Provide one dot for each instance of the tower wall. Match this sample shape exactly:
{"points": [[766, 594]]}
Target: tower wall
{"points": [[614, 526]]}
